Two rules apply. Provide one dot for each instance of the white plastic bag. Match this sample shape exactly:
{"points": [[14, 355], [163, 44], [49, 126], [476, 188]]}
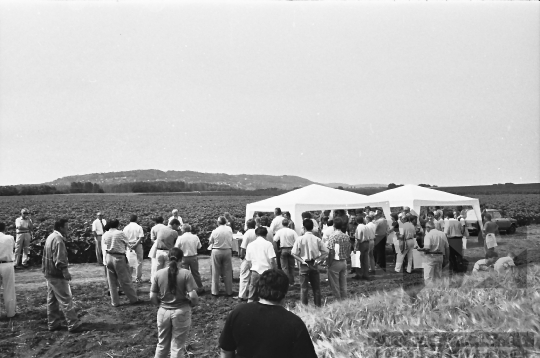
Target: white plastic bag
{"points": [[355, 259], [491, 241], [464, 243], [132, 258]]}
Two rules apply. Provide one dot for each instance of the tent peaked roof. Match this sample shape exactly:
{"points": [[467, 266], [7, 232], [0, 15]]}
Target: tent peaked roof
{"points": [[313, 194], [407, 194]]}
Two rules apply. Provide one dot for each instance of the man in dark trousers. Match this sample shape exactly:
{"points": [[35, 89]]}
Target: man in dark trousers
{"points": [[55, 270], [381, 232]]}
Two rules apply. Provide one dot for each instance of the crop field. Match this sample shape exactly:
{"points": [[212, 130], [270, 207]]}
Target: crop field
{"points": [[199, 211]]}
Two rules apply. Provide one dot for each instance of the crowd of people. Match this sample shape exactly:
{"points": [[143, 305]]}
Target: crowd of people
{"points": [[272, 255]]}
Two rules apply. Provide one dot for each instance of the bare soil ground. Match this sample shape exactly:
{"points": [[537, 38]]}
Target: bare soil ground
{"points": [[130, 331]]}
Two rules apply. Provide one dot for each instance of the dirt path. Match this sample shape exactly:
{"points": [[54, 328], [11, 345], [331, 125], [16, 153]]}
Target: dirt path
{"points": [[130, 331]]}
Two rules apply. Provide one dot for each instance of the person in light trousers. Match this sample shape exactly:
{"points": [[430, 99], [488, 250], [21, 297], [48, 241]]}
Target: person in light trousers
{"points": [[174, 291], [189, 244], [7, 271]]}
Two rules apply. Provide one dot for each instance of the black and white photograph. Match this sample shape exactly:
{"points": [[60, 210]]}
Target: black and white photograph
{"points": [[269, 179]]}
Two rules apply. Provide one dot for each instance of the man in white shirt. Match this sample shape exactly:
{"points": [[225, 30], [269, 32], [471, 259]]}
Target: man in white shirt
{"points": [[277, 222], [135, 235], [328, 230], [286, 238], [7, 271], [98, 227], [24, 226], [435, 250], [260, 256], [189, 244], [175, 216], [454, 231], [221, 242], [245, 272]]}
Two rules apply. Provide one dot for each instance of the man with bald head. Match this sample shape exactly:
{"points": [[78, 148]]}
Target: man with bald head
{"points": [[98, 228]]}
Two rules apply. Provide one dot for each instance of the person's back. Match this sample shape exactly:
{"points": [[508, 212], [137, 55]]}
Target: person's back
{"points": [[189, 244], [286, 237], [453, 228], [184, 284], [265, 331], [166, 238]]}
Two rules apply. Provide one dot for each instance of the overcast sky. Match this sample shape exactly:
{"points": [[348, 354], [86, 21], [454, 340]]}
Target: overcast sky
{"points": [[436, 93]]}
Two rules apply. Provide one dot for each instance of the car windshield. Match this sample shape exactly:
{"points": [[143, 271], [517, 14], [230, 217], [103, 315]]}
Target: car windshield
{"points": [[495, 215]]}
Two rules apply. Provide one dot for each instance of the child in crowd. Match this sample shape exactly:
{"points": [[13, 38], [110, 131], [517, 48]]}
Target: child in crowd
{"points": [[484, 264]]}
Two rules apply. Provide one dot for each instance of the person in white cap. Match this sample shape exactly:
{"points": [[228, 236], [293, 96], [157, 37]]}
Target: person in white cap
{"points": [[7, 272], [24, 228]]}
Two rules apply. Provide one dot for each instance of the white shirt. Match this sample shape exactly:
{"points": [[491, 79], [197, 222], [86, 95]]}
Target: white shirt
{"points": [[248, 238], [260, 253], [503, 264], [189, 244], [276, 224], [327, 231], [7, 246], [179, 219], [286, 237], [371, 226], [97, 227], [133, 232]]}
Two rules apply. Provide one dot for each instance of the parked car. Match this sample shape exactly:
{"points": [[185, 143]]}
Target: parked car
{"points": [[508, 225]]}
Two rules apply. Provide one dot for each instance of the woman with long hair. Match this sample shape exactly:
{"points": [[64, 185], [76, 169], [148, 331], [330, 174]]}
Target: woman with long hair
{"points": [[174, 290]]}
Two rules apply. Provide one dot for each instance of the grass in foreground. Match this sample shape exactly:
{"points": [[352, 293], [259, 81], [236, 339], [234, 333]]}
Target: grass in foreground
{"points": [[483, 317]]}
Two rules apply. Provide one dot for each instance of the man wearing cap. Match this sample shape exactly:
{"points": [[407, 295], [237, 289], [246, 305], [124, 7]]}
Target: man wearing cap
{"points": [[98, 228], [175, 216], [435, 252], [189, 244], [24, 228], [7, 273]]}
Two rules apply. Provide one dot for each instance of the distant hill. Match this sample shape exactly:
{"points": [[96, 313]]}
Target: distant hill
{"points": [[335, 185], [241, 181]]}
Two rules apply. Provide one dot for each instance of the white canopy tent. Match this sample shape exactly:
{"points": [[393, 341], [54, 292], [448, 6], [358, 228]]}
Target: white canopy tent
{"points": [[312, 197], [415, 196]]}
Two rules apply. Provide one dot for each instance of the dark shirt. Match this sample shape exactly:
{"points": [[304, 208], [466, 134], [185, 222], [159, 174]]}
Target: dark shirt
{"points": [[265, 331]]}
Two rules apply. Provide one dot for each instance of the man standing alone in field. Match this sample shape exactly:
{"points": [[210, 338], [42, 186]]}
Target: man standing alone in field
{"points": [[7, 273], [55, 269], [24, 226], [189, 244], [221, 242], [135, 234], [98, 228], [116, 243]]}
